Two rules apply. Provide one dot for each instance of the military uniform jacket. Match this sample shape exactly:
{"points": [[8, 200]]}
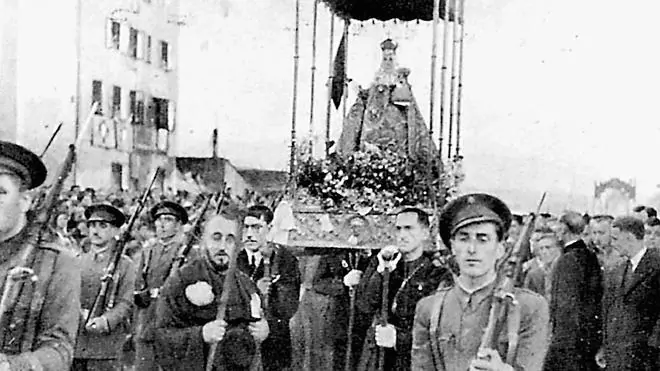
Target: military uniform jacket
{"points": [[421, 278], [179, 344], [460, 319], [153, 265], [55, 336], [282, 303], [93, 266]]}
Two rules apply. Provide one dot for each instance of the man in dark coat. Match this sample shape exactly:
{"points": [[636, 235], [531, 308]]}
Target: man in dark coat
{"points": [[43, 340], [99, 340], [413, 276], [280, 288], [187, 309], [575, 303], [631, 305], [153, 266], [337, 274]]}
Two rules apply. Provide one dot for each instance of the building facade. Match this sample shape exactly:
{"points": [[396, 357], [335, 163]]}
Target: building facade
{"points": [[58, 58]]}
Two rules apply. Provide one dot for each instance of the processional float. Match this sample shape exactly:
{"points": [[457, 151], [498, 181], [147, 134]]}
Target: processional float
{"points": [[386, 156]]}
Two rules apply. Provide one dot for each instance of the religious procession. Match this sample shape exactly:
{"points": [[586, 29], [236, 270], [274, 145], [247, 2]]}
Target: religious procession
{"points": [[369, 253]]}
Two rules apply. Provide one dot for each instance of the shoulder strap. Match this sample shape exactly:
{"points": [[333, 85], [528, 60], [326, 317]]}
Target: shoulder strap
{"points": [[436, 313]]}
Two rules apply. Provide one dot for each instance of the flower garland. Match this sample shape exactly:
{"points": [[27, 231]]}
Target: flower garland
{"points": [[381, 180]]}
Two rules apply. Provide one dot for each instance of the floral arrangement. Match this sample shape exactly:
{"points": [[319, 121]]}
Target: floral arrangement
{"points": [[381, 180]]}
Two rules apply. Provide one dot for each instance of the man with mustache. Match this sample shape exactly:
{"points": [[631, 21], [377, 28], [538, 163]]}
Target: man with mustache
{"points": [[450, 324], [413, 276], [187, 309], [154, 264], [281, 290], [99, 340]]}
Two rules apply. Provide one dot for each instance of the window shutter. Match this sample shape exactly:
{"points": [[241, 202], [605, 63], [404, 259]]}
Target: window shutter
{"points": [[140, 45], [171, 117], [108, 33], [124, 38]]}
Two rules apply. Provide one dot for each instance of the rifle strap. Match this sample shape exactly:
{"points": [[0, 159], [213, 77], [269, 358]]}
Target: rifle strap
{"points": [[436, 313], [513, 319], [44, 273]]}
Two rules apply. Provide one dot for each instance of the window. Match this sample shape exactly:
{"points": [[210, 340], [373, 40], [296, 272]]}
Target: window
{"points": [[133, 43], [147, 52], [113, 33], [115, 110], [97, 96], [160, 113], [164, 55], [136, 106]]}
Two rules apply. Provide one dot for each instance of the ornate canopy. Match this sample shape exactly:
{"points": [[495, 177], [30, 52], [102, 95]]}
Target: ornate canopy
{"points": [[405, 10]]}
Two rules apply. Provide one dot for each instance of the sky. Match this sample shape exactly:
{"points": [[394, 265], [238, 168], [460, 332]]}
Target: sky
{"points": [[557, 95]]}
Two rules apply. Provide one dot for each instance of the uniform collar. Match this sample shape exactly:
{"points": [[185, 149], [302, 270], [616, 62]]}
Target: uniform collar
{"points": [[473, 297]]}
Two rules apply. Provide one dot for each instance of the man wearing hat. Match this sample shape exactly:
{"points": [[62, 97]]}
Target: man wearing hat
{"points": [[449, 325], [187, 308], [100, 339], [413, 276], [46, 339], [154, 265]]}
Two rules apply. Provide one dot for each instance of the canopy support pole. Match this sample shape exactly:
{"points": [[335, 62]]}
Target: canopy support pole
{"points": [[454, 65], [313, 78], [461, 18], [328, 106], [434, 57], [443, 78], [296, 65], [347, 23]]}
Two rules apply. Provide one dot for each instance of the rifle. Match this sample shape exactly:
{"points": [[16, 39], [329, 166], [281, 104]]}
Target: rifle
{"points": [[110, 275], [180, 258], [25, 268], [508, 271]]}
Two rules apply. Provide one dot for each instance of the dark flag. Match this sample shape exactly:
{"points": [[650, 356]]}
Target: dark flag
{"points": [[339, 73]]}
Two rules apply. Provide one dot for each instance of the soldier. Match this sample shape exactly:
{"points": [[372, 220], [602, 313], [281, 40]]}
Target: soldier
{"points": [[187, 309], [153, 267], [413, 276], [100, 340], [281, 290], [45, 340], [449, 325]]}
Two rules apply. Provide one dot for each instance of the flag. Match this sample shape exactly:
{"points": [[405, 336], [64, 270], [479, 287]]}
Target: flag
{"points": [[339, 73]]}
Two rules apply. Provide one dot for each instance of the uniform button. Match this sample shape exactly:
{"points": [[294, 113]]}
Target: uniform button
{"points": [[12, 326]]}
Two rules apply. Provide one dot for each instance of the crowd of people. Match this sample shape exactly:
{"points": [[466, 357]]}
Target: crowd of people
{"points": [[587, 294]]}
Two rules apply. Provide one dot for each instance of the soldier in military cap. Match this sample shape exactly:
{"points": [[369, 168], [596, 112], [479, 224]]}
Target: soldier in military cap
{"points": [[449, 325], [154, 265], [45, 342], [187, 322], [100, 339]]}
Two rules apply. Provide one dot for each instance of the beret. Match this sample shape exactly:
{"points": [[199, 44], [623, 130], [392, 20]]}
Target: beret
{"points": [[169, 208], [471, 209], [105, 213], [20, 161]]}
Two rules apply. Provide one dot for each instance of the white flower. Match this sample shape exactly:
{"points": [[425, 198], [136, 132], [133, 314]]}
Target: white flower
{"points": [[200, 293]]}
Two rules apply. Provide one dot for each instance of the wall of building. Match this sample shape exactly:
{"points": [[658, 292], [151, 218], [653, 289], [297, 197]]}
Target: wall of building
{"points": [[8, 45]]}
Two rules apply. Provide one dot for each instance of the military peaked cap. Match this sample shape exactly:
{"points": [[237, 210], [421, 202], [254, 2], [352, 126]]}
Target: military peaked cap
{"points": [[471, 209], [20, 161], [169, 208], [105, 213]]}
